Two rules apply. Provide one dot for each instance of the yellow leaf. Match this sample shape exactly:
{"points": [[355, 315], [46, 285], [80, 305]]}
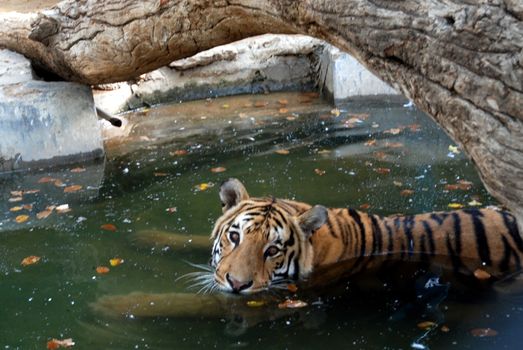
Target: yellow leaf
{"points": [[17, 208], [336, 112], [474, 203], [255, 303], [115, 261], [204, 186], [30, 260], [21, 218], [453, 149], [455, 205], [225, 106]]}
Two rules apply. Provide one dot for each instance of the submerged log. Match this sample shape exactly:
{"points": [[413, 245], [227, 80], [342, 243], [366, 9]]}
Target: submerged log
{"points": [[460, 61]]}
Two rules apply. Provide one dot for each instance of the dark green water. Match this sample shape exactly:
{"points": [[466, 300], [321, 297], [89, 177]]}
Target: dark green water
{"points": [[51, 299]]}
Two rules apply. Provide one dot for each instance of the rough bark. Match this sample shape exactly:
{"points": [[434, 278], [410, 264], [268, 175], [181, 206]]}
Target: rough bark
{"points": [[461, 61]]}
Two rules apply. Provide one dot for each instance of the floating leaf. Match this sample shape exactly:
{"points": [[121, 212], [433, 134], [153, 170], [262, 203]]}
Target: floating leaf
{"points": [[17, 193], [282, 151], [64, 343], [46, 179], [397, 183], [370, 143], [394, 144], [225, 106], [30, 260], [453, 149], [73, 188], [255, 303], [17, 208], [283, 110], [204, 186], [77, 170], [380, 155], [361, 116], [455, 205], [292, 304], [218, 169], [160, 174], [324, 151], [483, 332], [474, 203], [59, 183], [464, 185], [171, 210], [414, 127], [15, 199], [43, 214], [336, 112], [319, 172], [61, 209], [179, 152], [290, 118], [393, 131], [31, 191], [445, 329], [260, 104], [406, 193], [451, 187], [102, 270], [27, 207], [481, 274], [426, 325], [116, 261], [283, 101], [365, 206], [291, 287], [383, 171], [21, 218], [109, 227]]}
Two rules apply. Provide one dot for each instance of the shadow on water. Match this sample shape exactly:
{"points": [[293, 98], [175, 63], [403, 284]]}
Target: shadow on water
{"points": [[157, 179]]}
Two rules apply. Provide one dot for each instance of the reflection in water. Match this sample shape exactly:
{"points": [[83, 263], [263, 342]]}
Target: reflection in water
{"points": [[151, 185]]}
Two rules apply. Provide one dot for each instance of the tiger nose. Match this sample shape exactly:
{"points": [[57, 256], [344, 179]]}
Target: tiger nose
{"points": [[237, 286]]}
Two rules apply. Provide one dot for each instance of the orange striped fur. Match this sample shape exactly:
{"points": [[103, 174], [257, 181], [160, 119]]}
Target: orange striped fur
{"points": [[261, 243]]}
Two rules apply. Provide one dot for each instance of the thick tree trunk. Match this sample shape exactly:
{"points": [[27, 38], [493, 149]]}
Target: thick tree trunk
{"points": [[461, 61]]}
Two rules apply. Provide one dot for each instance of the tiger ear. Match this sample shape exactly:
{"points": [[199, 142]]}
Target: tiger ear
{"points": [[232, 192], [313, 219]]}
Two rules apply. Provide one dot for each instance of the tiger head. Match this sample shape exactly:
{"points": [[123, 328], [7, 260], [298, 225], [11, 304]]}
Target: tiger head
{"points": [[261, 243]]}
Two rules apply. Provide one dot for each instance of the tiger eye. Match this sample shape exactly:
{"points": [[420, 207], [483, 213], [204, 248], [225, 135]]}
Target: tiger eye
{"points": [[234, 237], [272, 251]]}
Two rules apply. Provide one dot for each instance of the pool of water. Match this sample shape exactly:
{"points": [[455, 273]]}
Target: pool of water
{"points": [[381, 157]]}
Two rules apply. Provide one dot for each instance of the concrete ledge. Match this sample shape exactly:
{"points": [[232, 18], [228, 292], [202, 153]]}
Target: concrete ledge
{"points": [[44, 123]]}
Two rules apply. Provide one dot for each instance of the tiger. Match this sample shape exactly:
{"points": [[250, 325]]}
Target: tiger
{"points": [[263, 243]]}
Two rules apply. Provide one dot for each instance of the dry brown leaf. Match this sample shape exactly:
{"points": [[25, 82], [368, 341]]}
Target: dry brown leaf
{"points": [[290, 118], [77, 170], [59, 183], [46, 179], [21, 218], [218, 169], [179, 152], [30, 260], [370, 143], [160, 174], [397, 183], [14, 199], [406, 193], [31, 191], [102, 270], [61, 209], [481, 274], [292, 304], [383, 171], [283, 110], [17, 208], [283, 101], [171, 210], [394, 145], [54, 344], [260, 104], [292, 288], [393, 131], [72, 188], [445, 329], [426, 325], [282, 151], [17, 193], [43, 214], [109, 227], [27, 207], [365, 206], [483, 332], [319, 172]]}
